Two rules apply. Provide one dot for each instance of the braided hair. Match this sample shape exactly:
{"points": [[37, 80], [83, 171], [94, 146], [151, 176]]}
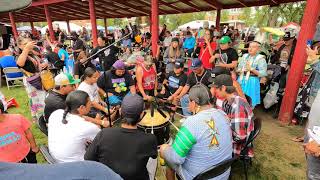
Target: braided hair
{"points": [[74, 100]]}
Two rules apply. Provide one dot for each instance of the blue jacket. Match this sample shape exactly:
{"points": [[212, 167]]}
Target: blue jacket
{"points": [[189, 43]]}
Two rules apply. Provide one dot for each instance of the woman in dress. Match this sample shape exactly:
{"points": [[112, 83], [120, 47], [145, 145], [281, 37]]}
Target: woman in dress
{"points": [[31, 66], [251, 68]]}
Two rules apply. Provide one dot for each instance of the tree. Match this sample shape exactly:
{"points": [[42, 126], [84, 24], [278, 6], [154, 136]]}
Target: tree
{"points": [[224, 15]]}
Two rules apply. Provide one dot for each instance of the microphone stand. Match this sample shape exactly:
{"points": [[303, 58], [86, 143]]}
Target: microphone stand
{"points": [[107, 96]]}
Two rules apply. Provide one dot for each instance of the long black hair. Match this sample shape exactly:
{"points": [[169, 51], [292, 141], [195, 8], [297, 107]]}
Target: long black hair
{"points": [[74, 100], [88, 72]]}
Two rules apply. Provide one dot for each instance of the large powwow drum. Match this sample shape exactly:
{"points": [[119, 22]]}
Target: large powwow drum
{"points": [[158, 124]]}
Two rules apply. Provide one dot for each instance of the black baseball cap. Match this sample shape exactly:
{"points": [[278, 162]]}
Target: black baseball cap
{"points": [[178, 65], [287, 36], [222, 80], [132, 106], [175, 39]]}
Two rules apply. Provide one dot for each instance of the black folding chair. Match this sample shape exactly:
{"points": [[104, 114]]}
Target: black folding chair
{"points": [[215, 170], [42, 124], [46, 154], [244, 157]]}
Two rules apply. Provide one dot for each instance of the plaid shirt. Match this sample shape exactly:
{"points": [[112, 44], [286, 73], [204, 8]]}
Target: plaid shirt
{"points": [[240, 114]]}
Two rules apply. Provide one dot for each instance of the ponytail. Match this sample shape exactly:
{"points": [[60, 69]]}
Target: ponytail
{"points": [[66, 111]]}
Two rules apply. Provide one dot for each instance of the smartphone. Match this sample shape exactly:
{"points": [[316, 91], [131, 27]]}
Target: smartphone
{"points": [[309, 43]]}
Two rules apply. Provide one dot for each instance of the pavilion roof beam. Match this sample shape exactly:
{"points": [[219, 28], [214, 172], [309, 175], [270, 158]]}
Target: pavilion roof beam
{"points": [[193, 6], [214, 4], [98, 11], [141, 13], [58, 14], [161, 11], [46, 2], [123, 3], [76, 12], [242, 3], [177, 9]]}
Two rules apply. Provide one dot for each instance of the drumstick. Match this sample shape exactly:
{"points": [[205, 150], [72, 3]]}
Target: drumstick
{"points": [[173, 125]]}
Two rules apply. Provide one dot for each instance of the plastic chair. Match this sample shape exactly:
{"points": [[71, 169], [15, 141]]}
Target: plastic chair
{"points": [[215, 170], [244, 157], [10, 70], [42, 125], [46, 154]]}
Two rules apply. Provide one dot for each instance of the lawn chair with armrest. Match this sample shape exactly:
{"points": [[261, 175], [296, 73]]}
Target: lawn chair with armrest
{"points": [[46, 154]]}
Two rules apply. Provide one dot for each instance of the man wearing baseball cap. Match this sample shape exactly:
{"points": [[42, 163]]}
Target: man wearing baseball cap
{"points": [[237, 109], [226, 56], [199, 75], [117, 84], [126, 150], [175, 81], [64, 84], [284, 56]]}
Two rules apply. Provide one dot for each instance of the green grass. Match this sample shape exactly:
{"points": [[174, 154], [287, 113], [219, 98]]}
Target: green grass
{"points": [[276, 156]]}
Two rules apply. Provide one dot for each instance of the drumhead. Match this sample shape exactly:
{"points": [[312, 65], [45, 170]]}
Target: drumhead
{"points": [[157, 120]]}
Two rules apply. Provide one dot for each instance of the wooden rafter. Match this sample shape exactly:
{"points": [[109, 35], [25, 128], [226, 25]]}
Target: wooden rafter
{"points": [[177, 9], [193, 6]]}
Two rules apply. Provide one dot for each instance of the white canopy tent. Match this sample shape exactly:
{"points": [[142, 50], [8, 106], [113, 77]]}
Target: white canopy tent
{"points": [[63, 26], [195, 24], [28, 28]]}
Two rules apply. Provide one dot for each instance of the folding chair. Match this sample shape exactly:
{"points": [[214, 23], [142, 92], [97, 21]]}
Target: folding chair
{"points": [[244, 157], [47, 156], [10, 70], [215, 170]]}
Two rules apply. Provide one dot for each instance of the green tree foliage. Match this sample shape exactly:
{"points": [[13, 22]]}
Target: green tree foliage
{"points": [[273, 16]]}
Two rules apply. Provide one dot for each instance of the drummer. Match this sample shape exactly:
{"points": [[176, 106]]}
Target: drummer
{"points": [[175, 82], [146, 76], [126, 150], [117, 82], [203, 140]]}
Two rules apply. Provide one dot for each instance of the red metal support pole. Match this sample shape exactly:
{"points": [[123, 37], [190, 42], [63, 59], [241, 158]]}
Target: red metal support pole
{"points": [[155, 25], [105, 25], [218, 19], [68, 26], [49, 21], [32, 26], [13, 25], [308, 27], [93, 23]]}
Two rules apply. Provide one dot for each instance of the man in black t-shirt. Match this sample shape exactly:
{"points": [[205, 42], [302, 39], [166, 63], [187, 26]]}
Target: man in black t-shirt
{"points": [[126, 150], [118, 84], [199, 75], [64, 84], [175, 81], [226, 56]]}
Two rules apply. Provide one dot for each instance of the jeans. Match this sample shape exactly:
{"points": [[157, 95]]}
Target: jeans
{"points": [[313, 168], [84, 170], [184, 101]]}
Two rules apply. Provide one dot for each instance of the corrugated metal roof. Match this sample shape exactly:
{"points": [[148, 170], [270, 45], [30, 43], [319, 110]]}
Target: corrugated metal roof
{"points": [[62, 10]]}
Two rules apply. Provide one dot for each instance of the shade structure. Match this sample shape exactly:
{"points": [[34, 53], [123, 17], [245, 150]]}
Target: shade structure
{"points": [[79, 10], [63, 26], [195, 24]]}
